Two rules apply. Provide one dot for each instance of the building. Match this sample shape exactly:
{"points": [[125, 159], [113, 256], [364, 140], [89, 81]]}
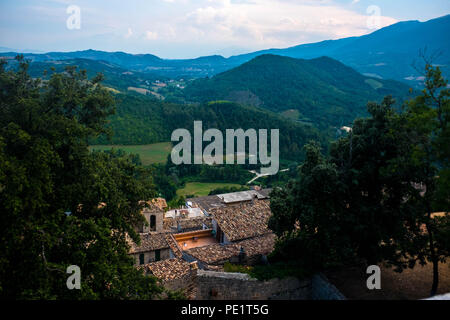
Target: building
{"points": [[153, 247], [153, 213], [174, 274], [209, 232], [240, 235], [208, 203], [248, 252], [242, 221]]}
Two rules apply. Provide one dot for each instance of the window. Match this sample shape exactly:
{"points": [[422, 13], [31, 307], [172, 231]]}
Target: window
{"points": [[141, 258], [157, 255], [152, 223]]}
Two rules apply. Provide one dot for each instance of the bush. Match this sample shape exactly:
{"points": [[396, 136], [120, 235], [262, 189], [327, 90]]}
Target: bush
{"points": [[278, 270]]}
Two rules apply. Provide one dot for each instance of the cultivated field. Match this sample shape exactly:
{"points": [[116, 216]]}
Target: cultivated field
{"points": [[149, 153], [202, 188]]}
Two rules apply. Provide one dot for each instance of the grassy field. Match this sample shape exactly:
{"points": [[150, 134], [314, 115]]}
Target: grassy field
{"points": [[149, 153], [202, 188]]}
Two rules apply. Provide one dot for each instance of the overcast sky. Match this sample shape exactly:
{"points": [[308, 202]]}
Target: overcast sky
{"points": [[192, 28]]}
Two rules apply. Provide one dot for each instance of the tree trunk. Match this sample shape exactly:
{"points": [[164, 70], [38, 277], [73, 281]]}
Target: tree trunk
{"points": [[433, 256], [434, 287]]}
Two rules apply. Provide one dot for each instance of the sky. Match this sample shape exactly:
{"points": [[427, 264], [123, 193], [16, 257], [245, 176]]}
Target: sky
{"points": [[193, 28]]}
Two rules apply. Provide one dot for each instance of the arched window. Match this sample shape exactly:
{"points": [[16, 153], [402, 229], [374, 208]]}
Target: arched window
{"points": [[152, 223]]}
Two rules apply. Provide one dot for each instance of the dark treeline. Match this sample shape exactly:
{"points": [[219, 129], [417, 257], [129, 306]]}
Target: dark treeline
{"points": [[144, 120]]}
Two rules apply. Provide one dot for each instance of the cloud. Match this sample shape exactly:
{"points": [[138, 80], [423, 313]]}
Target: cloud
{"points": [[188, 27], [129, 33], [151, 35], [274, 23]]}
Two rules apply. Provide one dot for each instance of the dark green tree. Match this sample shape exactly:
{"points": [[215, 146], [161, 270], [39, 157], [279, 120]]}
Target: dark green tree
{"points": [[366, 200], [60, 204], [428, 116]]}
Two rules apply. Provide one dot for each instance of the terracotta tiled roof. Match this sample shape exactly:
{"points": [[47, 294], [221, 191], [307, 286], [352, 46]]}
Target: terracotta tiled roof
{"points": [[208, 203], [259, 245], [160, 203], [173, 244], [169, 269], [188, 224], [150, 242], [217, 252], [168, 223], [243, 221], [194, 223], [214, 253], [150, 206]]}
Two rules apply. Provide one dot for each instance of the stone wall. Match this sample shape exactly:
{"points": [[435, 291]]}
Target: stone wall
{"points": [[149, 256], [213, 285]]}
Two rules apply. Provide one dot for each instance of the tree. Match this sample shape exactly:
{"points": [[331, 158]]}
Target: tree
{"points": [[366, 199], [429, 115], [60, 204], [306, 215], [351, 201]]}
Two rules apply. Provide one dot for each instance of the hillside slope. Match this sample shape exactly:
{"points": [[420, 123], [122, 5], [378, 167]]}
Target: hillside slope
{"points": [[388, 53], [143, 120], [323, 90], [115, 76]]}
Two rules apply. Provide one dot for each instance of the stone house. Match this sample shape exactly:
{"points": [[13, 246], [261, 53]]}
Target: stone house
{"points": [[241, 221], [174, 274], [153, 213], [248, 252], [208, 203], [212, 230], [241, 235], [153, 247]]}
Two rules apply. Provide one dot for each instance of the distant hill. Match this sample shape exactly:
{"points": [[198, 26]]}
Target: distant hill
{"points": [[115, 76], [323, 90], [387, 53], [199, 67]]}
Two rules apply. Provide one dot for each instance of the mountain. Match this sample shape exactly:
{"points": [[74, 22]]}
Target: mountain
{"points": [[115, 76], [387, 53], [322, 90], [199, 67]]}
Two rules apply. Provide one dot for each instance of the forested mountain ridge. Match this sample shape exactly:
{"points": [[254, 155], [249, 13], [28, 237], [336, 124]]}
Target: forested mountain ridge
{"points": [[323, 90], [175, 68], [388, 53], [115, 76]]}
